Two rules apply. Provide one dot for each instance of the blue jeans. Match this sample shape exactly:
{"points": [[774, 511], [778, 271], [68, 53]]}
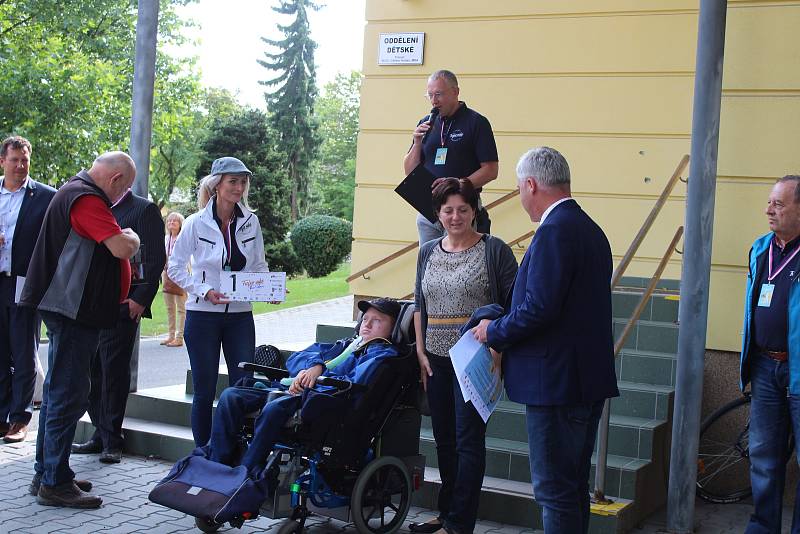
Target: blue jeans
{"points": [[66, 395], [771, 413], [233, 405], [460, 436], [561, 441], [204, 333]]}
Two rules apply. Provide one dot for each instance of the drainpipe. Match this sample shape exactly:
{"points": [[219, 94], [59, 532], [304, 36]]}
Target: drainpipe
{"points": [[696, 270], [144, 73]]}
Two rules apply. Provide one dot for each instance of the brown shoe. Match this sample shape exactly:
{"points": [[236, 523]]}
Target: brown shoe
{"points": [[175, 343], [167, 341], [33, 487], [16, 433], [67, 495]]}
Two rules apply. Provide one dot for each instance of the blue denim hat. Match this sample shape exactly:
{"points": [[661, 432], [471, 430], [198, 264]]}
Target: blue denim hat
{"points": [[229, 165]]}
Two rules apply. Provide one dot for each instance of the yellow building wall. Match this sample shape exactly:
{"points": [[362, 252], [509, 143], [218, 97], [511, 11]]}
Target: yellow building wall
{"points": [[609, 83]]}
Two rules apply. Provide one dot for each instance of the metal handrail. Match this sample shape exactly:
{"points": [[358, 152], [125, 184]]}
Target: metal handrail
{"points": [[412, 246], [602, 438], [648, 222]]}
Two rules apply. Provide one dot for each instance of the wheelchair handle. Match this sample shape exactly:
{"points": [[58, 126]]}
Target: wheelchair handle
{"points": [[270, 372], [340, 384]]}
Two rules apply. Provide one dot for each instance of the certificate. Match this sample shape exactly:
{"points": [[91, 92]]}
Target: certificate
{"points": [[253, 287]]}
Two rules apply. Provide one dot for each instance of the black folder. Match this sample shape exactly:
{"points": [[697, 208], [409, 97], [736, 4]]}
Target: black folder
{"points": [[416, 190]]}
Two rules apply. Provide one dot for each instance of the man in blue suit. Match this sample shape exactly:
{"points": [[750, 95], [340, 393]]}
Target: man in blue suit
{"points": [[23, 203], [556, 339]]}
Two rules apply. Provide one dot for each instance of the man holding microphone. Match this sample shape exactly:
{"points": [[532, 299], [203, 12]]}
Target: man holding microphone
{"points": [[452, 141]]}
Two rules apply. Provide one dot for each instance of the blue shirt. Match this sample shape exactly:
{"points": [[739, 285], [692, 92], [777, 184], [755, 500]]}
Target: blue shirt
{"points": [[10, 204]]}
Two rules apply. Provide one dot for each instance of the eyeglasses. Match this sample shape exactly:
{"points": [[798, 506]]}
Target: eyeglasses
{"points": [[431, 96]]}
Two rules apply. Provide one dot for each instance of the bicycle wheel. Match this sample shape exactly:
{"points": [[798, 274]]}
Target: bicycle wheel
{"points": [[723, 459]]}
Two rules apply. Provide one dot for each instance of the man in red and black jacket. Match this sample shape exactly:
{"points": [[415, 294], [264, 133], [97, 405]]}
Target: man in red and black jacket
{"points": [[78, 275]]}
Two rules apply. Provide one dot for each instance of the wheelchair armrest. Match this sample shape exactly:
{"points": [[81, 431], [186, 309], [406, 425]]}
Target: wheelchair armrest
{"points": [[270, 372], [341, 384]]}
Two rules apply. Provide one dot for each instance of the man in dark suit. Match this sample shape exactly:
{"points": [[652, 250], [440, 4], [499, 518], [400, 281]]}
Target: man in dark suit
{"points": [[111, 366], [556, 340], [23, 203]]}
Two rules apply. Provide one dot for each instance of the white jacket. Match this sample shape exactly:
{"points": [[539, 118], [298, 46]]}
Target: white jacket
{"points": [[202, 241]]}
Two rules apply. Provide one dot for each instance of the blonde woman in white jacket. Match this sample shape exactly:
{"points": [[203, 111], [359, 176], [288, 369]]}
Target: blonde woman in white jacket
{"points": [[223, 236]]}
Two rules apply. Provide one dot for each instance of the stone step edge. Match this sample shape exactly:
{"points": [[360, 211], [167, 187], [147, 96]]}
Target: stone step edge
{"points": [[525, 491]]}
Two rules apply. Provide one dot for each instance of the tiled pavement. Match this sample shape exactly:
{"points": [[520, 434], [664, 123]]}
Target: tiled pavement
{"points": [[124, 488]]}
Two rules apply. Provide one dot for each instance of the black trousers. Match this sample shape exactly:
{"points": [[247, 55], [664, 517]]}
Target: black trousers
{"points": [[111, 380], [19, 340]]}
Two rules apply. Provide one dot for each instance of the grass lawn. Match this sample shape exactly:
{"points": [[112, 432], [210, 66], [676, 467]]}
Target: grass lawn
{"points": [[302, 290]]}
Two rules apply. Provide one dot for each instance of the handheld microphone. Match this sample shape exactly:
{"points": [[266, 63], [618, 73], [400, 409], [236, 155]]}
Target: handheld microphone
{"points": [[431, 119]]}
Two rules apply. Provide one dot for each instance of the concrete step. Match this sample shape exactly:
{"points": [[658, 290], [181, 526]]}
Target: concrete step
{"points": [[513, 502], [653, 336], [508, 460], [659, 307], [646, 367], [628, 436], [647, 401], [147, 438]]}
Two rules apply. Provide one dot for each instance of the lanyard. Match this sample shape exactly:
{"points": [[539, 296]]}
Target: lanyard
{"points": [[442, 134], [170, 245], [770, 276], [227, 240]]}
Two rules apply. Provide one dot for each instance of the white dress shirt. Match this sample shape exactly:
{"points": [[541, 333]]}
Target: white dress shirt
{"points": [[551, 207], [10, 204]]}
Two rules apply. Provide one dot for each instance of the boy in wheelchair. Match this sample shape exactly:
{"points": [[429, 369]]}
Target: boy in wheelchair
{"points": [[354, 362]]}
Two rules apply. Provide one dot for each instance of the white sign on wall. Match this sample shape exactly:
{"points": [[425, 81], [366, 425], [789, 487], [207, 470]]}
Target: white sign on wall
{"points": [[400, 48]]}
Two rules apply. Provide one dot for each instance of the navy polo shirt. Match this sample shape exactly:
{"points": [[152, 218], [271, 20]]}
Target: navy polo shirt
{"points": [[469, 140], [771, 325]]}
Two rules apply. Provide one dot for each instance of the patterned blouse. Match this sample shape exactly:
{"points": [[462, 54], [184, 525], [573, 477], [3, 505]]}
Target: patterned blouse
{"points": [[454, 285]]}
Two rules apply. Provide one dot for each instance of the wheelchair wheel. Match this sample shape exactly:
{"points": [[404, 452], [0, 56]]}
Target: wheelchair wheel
{"points": [[206, 525], [381, 496], [290, 526]]}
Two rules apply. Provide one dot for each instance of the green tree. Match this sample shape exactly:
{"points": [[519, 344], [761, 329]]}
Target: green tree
{"points": [[68, 72], [334, 171], [291, 103], [247, 135]]}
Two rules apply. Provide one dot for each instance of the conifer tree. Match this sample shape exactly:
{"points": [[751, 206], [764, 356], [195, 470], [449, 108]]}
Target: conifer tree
{"points": [[291, 102]]}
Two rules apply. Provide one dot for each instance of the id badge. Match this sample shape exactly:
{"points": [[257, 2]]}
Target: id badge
{"points": [[441, 156], [765, 298], [226, 268]]}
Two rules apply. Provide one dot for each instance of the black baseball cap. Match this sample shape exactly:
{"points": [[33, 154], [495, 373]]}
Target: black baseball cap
{"points": [[388, 306]]}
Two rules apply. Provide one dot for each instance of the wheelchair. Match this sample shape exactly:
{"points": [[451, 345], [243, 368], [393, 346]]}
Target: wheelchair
{"points": [[360, 465]]}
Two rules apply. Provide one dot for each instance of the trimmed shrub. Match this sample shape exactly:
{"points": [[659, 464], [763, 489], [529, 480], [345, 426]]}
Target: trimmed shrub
{"points": [[321, 242], [281, 257]]}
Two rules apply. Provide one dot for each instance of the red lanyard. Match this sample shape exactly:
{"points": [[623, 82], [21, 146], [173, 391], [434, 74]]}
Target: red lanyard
{"points": [[227, 240], [770, 276], [170, 245]]}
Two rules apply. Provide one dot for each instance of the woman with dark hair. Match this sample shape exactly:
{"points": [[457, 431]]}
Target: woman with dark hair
{"points": [[223, 236], [456, 274]]}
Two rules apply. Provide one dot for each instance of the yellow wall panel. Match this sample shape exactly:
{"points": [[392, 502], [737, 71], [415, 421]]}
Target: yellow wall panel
{"points": [[598, 105], [609, 83], [759, 136], [457, 9], [485, 47], [761, 49], [627, 166]]}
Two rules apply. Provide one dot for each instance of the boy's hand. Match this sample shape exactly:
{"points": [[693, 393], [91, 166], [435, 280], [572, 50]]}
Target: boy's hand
{"points": [[306, 379]]}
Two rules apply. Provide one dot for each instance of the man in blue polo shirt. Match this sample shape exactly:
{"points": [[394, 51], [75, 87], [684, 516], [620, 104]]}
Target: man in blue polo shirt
{"points": [[770, 359], [453, 141]]}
